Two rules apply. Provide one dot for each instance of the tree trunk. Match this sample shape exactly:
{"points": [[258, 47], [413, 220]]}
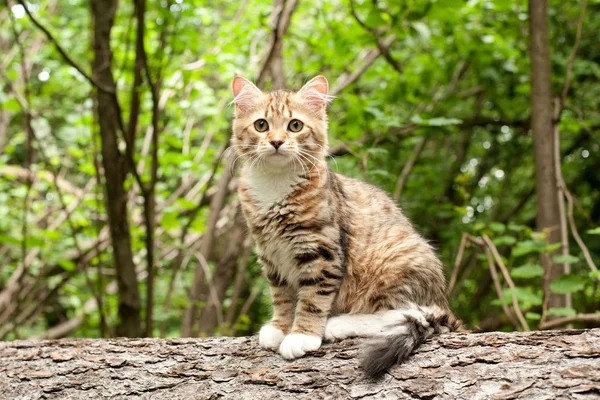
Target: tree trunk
{"points": [[536, 365], [115, 167], [548, 213]]}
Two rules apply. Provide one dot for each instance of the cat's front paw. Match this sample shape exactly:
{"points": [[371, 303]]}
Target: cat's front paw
{"points": [[297, 344], [270, 337]]}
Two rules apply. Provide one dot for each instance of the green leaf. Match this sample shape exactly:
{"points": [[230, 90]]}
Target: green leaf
{"points": [[35, 242], [52, 235], [186, 204], [527, 271], [567, 284], [562, 311], [76, 152], [595, 231], [88, 168], [525, 296], [374, 19], [497, 227], [9, 240], [11, 105], [528, 246], [379, 172], [169, 220], [478, 226], [377, 151], [67, 265], [533, 316], [504, 240], [565, 259], [423, 30], [442, 121], [515, 227], [551, 247]]}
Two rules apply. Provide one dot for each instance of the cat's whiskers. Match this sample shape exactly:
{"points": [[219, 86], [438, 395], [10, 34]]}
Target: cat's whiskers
{"points": [[328, 154], [307, 153], [319, 162], [304, 171], [313, 164], [229, 150], [255, 161]]}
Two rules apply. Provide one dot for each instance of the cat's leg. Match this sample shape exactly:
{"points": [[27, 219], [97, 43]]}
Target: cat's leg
{"points": [[315, 297], [271, 335]]}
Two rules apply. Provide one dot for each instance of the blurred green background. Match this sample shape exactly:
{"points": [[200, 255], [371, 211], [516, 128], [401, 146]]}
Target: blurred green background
{"points": [[432, 105]]}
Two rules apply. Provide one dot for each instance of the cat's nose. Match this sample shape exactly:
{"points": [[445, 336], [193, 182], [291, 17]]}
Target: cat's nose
{"points": [[276, 143]]}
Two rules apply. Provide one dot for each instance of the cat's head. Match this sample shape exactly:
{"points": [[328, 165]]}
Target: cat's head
{"points": [[281, 128]]}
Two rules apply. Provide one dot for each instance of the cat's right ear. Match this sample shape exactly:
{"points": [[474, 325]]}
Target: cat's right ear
{"points": [[245, 93]]}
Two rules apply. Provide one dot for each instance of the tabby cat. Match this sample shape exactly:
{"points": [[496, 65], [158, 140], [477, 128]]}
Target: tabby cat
{"points": [[341, 259]]}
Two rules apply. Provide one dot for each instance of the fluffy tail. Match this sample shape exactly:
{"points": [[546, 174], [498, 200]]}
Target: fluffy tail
{"points": [[403, 336]]}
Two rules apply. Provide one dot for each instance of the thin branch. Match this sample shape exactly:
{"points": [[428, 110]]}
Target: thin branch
{"points": [[508, 279], [571, 60], [211, 288], [562, 186], [408, 167], [366, 60], [564, 234], [282, 14], [383, 49], [63, 53], [498, 286], [574, 232], [546, 291], [458, 261], [556, 323]]}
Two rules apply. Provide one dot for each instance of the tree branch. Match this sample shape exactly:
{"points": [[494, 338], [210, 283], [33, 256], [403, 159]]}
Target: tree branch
{"points": [[63, 53], [554, 364]]}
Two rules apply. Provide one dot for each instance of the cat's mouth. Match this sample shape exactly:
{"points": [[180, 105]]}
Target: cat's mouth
{"points": [[279, 157]]}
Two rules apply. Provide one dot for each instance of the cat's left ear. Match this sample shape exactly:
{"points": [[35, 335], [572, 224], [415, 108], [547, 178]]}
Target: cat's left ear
{"points": [[315, 93], [245, 93]]}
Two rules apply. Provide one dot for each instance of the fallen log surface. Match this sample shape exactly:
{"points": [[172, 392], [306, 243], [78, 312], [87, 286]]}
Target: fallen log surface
{"points": [[531, 365]]}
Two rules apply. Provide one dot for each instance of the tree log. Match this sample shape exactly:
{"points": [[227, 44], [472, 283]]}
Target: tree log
{"points": [[532, 365]]}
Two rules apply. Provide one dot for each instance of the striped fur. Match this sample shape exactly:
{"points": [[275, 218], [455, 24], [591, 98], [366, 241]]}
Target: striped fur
{"points": [[331, 246]]}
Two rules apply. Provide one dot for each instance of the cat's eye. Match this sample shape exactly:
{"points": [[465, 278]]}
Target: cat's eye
{"points": [[295, 125], [261, 125]]}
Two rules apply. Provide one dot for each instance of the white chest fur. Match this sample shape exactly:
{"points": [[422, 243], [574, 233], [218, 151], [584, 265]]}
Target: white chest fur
{"points": [[269, 186]]}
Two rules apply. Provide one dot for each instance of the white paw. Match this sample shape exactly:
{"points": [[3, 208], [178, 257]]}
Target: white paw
{"points": [[270, 337], [297, 344]]}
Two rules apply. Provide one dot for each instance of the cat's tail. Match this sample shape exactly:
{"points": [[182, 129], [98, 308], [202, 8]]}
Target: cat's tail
{"points": [[403, 336]]}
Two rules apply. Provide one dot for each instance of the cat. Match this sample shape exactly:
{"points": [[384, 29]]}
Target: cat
{"points": [[340, 257]]}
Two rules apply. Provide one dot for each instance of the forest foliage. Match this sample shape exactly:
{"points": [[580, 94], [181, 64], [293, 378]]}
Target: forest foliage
{"points": [[432, 105]]}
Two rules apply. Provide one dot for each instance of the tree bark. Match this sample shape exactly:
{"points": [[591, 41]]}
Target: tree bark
{"points": [[539, 364], [115, 167], [548, 213]]}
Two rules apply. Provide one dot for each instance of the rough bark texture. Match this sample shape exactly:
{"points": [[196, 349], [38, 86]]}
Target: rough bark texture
{"points": [[532, 365], [546, 189]]}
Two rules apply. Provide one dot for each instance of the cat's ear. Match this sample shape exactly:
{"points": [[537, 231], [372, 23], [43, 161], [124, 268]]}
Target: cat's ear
{"points": [[315, 93], [245, 93]]}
